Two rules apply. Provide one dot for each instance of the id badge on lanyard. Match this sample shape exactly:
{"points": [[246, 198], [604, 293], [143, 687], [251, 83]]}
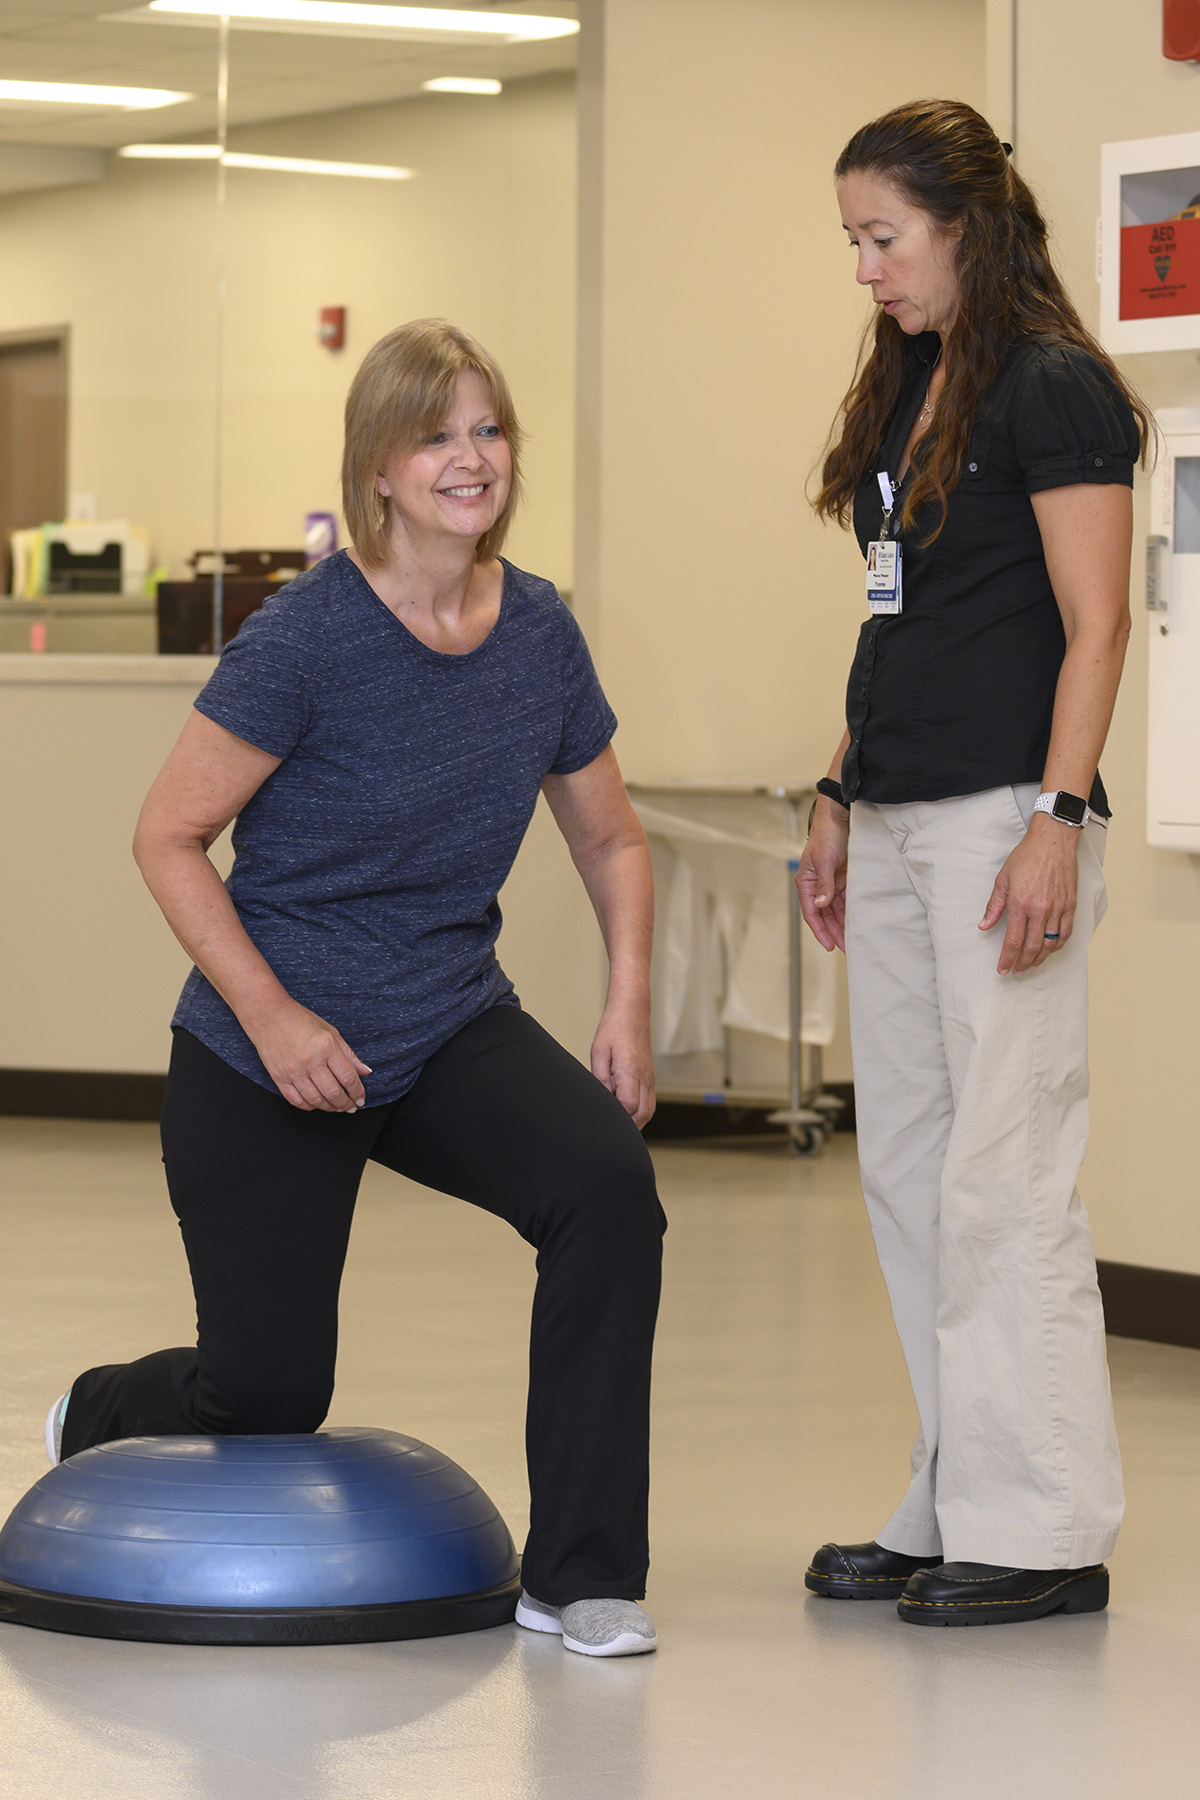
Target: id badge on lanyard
{"points": [[884, 558]]}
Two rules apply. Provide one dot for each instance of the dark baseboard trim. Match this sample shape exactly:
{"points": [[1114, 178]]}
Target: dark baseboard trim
{"points": [[675, 1119], [843, 1091], [80, 1094], [1162, 1305], [93, 1094]]}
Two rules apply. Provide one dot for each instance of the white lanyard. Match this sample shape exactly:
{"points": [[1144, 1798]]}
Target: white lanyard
{"points": [[884, 558]]}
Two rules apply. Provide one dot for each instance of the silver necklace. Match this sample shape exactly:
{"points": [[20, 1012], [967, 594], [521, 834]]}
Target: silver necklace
{"points": [[925, 417]]}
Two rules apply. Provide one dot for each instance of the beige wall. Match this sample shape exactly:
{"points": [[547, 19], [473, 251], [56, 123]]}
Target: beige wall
{"points": [[719, 320], [90, 973], [1092, 72], [727, 616], [485, 234]]}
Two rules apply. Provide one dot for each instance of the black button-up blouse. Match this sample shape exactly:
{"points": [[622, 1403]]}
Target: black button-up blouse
{"points": [[955, 693]]}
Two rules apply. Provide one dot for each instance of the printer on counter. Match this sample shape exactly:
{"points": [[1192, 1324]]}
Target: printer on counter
{"points": [[90, 556]]}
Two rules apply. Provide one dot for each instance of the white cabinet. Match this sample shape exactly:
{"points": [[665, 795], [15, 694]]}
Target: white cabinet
{"points": [[1149, 249], [1173, 603]]}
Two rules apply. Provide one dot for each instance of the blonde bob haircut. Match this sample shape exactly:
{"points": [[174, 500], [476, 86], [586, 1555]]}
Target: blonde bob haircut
{"points": [[400, 396]]}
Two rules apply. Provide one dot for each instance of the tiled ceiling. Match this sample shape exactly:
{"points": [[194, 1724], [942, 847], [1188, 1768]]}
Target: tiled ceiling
{"points": [[272, 74]]}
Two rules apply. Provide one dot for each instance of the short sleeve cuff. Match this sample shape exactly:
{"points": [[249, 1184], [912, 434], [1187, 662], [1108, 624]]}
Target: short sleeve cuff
{"points": [[1098, 468], [576, 759], [251, 731]]}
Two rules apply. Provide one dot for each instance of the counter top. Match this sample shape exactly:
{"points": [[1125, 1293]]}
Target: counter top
{"points": [[68, 606], [66, 669]]}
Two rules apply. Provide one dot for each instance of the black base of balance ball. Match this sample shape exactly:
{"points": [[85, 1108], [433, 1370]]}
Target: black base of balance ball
{"points": [[82, 1617]]}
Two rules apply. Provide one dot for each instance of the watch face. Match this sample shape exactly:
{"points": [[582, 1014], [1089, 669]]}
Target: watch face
{"points": [[1070, 808]]}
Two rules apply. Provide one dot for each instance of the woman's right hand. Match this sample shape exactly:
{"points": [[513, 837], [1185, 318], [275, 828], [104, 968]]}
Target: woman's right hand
{"points": [[821, 876], [310, 1063]]}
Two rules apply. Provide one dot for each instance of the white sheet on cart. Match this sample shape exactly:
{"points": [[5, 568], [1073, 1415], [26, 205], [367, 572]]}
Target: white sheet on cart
{"points": [[724, 913]]}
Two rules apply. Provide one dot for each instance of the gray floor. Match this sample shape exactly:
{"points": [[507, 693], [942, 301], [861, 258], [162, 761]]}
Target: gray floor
{"points": [[782, 1418]]}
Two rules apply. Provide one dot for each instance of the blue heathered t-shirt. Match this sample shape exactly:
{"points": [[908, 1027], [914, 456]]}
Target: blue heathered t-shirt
{"points": [[367, 864]]}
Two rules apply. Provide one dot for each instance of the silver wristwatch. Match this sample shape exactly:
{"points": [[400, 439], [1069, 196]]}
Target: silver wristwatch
{"points": [[1068, 809]]}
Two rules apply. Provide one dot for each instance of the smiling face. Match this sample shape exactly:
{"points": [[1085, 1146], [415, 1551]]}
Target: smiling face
{"points": [[457, 482], [904, 256]]}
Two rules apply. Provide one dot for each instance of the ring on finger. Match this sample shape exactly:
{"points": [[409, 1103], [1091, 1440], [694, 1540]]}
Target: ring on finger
{"points": [[1050, 936]]}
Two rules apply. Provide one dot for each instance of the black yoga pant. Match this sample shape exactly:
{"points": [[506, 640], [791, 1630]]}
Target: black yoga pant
{"points": [[501, 1116]]}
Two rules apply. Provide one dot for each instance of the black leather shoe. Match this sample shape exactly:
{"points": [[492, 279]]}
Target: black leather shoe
{"points": [[980, 1594], [862, 1571]]}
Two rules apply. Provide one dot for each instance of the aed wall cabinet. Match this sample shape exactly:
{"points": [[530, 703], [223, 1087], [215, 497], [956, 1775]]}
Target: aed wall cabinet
{"points": [[1149, 244], [1173, 608]]}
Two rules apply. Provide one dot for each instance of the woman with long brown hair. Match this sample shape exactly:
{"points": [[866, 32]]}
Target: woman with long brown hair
{"points": [[984, 456]]}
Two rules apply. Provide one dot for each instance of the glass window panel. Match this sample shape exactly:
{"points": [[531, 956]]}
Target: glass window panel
{"points": [[115, 255]]}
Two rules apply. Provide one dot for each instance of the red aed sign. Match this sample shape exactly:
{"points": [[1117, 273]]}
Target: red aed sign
{"points": [[1160, 269]]}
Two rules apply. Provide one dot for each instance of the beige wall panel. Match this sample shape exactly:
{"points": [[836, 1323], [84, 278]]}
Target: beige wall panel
{"points": [[730, 324], [720, 325], [91, 973], [1092, 72], [549, 945], [484, 235]]}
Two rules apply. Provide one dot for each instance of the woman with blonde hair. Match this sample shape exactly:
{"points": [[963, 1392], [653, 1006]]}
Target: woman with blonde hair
{"points": [[380, 732], [984, 457]]}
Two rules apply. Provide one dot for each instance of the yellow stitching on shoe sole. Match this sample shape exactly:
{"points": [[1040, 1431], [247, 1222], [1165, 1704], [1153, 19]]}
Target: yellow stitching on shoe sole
{"points": [[1030, 1599], [859, 1580]]}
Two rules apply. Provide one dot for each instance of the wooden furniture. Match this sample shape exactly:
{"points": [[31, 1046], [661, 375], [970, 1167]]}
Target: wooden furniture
{"points": [[185, 611]]}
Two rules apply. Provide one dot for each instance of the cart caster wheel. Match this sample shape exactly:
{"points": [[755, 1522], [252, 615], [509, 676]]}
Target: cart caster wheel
{"points": [[807, 1142]]}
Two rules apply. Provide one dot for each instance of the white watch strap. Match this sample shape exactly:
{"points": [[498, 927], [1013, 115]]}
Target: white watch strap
{"points": [[1045, 803]]}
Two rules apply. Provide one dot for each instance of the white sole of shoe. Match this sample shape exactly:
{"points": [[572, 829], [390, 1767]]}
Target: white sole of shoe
{"points": [[537, 1621], [630, 1643], [50, 1433]]}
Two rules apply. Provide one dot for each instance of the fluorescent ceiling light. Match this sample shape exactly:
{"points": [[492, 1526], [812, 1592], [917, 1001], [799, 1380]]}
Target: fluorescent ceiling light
{"points": [[245, 159], [304, 165], [438, 23], [172, 152], [77, 93], [461, 84]]}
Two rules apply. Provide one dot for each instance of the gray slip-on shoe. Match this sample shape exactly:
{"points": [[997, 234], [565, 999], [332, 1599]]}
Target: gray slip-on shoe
{"points": [[592, 1627]]}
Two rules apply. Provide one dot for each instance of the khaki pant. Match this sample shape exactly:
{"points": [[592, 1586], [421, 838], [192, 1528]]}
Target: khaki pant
{"points": [[971, 1096]]}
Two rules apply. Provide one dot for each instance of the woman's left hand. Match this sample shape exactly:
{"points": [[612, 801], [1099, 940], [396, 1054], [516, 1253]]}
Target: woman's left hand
{"points": [[621, 1060], [1036, 887]]}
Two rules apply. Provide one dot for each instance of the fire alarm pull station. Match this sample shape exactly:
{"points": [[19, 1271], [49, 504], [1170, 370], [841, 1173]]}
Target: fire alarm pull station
{"points": [[331, 329]]}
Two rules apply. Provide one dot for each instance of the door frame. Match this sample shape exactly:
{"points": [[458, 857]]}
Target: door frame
{"points": [[60, 337]]}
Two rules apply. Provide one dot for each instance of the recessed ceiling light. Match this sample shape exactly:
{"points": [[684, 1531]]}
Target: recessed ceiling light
{"points": [[406, 21], [245, 159], [461, 84], [78, 93]]}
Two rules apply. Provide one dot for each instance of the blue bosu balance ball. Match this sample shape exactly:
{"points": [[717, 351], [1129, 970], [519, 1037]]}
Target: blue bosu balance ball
{"points": [[342, 1536]]}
